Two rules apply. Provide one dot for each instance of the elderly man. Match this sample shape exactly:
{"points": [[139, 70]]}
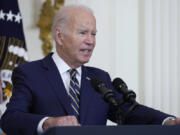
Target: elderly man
{"points": [[56, 91]]}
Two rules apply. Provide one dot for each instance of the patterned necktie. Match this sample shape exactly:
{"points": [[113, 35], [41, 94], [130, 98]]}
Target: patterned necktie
{"points": [[74, 92]]}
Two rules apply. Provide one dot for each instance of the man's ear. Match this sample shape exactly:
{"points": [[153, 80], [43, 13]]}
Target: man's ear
{"points": [[58, 36]]}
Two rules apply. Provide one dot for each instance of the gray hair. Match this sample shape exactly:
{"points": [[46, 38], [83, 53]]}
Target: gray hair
{"points": [[63, 14]]}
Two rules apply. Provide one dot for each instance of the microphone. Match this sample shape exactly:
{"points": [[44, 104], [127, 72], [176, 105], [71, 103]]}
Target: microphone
{"points": [[122, 88], [107, 94]]}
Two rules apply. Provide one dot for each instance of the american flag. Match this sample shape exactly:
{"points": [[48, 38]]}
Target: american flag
{"points": [[13, 50]]}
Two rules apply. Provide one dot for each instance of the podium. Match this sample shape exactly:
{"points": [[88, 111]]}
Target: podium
{"points": [[115, 130]]}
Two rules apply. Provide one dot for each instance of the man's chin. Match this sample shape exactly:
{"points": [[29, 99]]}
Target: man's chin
{"points": [[84, 61]]}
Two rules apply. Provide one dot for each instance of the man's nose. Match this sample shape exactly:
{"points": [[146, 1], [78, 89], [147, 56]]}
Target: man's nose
{"points": [[90, 40]]}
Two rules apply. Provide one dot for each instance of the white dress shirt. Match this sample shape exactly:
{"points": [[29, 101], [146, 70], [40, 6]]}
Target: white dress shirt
{"points": [[63, 69]]}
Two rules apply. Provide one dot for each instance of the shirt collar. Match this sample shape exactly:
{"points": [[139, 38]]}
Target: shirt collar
{"points": [[62, 65]]}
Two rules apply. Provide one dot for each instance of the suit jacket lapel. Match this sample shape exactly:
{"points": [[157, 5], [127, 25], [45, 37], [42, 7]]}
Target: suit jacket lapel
{"points": [[57, 84], [55, 80]]}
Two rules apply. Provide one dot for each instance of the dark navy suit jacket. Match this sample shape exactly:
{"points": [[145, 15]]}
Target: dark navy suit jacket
{"points": [[39, 92]]}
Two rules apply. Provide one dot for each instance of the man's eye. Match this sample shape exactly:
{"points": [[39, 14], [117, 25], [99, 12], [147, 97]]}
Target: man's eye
{"points": [[82, 32], [94, 34]]}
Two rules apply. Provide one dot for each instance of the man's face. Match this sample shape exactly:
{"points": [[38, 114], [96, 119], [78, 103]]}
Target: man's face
{"points": [[79, 39]]}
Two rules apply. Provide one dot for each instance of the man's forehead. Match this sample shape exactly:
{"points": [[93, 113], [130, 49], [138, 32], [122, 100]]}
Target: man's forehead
{"points": [[82, 16], [80, 13]]}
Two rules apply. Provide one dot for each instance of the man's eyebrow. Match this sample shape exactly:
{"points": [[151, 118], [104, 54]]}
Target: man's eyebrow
{"points": [[85, 30]]}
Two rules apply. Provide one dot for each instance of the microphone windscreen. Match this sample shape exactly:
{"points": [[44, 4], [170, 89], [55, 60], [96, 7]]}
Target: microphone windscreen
{"points": [[95, 82], [117, 82]]}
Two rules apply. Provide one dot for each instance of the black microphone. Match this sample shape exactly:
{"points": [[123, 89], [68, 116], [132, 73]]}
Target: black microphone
{"points": [[122, 88], [107, 94]]}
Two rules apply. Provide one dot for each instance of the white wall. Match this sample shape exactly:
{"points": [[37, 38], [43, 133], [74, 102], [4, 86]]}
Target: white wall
{"points": [[160, 59]]}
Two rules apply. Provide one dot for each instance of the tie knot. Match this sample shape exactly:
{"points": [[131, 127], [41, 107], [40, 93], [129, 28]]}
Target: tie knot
{"points": [[72, 72]]}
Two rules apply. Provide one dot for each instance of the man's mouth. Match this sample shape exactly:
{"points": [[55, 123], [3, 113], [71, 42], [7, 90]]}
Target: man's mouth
{"points": [[86, 50]]}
